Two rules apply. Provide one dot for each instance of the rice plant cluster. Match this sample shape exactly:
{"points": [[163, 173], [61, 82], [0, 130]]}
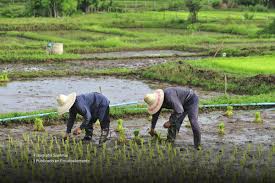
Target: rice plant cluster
{"points": [[48, 158]]}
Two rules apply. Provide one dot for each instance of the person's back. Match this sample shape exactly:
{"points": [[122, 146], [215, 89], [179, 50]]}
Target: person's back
{"points": [[184, 94], [93, 100], [92, 106]]}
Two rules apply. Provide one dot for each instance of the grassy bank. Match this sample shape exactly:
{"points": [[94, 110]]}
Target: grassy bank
{"points": [[246, 66], [251, 75], [66, 72]]}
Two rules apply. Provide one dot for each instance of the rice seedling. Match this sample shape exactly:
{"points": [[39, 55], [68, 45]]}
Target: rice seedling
{"points": [[119, 127], [229, 111], [4, 77], [143, 162], [122, 137], [137, 138], [258, 118], [97, 123], [38, 125], [259, 150], [221, 128], [157, 137]]}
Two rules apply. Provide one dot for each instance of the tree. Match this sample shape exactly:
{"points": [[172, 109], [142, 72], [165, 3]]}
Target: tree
{"points": [[51, 8], [35, 8], [99, 5], [69, 7], [84, 5], [193, 6]]}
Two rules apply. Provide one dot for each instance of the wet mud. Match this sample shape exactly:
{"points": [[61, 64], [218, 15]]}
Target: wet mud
{"points": [[239, 129], [135, 54], [131, 63]]}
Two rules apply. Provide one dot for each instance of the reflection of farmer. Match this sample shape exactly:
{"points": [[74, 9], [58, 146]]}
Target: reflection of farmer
{"points": [[183, 102], [92, 106]]}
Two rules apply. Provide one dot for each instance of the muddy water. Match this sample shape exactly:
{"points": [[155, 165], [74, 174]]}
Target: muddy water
{"points": [[30, 95], [41, 93], [146, 53]]}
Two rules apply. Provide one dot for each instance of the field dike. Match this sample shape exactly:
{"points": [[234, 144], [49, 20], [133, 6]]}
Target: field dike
{"points": [[185, 74]]}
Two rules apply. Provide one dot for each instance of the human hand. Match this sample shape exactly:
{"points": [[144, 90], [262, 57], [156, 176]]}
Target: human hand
{"points": [[66, 136], [152, 132], [77, 131], [198, 147], [167, 124]]}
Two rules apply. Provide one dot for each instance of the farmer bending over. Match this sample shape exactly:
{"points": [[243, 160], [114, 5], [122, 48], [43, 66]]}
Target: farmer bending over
{"points": [[92, 106], [183, 102]]}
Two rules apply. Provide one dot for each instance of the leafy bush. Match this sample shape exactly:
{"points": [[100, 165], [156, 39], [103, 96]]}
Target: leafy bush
{"points": [[215, 3], [248, 2], [51, 8], [194, 7], [248, 16], [270, 29], [13, 11], [258, 8]]}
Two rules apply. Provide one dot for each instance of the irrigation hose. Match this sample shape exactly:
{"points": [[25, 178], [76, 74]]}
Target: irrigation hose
{"points": [[267, 104], [53, 113]]}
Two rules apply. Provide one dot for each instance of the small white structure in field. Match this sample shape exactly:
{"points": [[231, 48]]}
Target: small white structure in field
{"points": [[223, 54], [55, 48]]}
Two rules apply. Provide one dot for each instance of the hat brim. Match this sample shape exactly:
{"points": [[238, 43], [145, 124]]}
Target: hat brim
{"points": [[66, 107], [155, 107]]}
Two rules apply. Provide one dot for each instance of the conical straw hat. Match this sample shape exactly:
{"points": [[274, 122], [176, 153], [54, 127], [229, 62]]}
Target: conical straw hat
{"points": [[154, 101], [65, 102]]}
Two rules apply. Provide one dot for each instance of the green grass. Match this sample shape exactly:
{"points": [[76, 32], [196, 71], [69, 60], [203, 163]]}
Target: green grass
{"points": [[138, 30], [238, 99], [239, 65], [241, 80], [14, 75]]}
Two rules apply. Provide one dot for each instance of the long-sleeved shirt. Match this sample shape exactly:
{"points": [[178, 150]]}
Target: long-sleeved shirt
{"points": [[174, 98], [91, 106]]}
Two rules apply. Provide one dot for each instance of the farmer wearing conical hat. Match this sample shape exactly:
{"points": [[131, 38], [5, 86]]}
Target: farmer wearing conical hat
{"points": [[92, 106], [182, 101]]}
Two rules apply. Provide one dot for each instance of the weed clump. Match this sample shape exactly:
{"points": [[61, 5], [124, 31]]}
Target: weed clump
{"points": [[38, 125]]}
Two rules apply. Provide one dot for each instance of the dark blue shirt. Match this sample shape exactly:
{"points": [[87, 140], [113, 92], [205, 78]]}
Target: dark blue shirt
{"points": [[91, 106]]}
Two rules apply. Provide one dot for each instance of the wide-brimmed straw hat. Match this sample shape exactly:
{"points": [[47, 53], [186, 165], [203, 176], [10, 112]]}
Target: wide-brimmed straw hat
{"points": [[154, 101], [65, 102]]}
